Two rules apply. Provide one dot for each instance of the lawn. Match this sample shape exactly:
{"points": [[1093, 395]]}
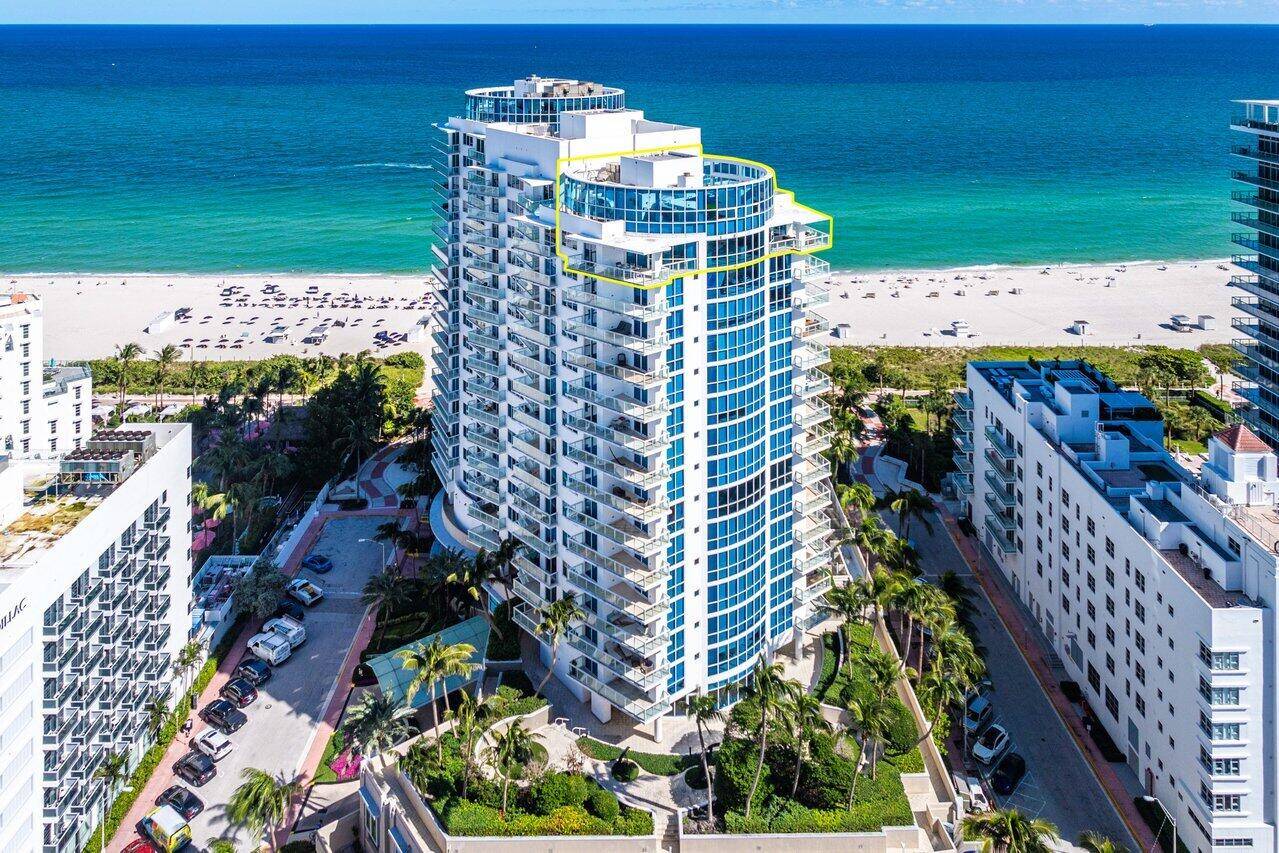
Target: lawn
{"points": [[657, 763]]}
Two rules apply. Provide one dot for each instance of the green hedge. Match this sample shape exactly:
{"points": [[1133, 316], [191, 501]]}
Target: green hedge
{"points": [[1218, 408], [324, 774], [153, 756], [504, 639], [657, 763], [466, 818]]}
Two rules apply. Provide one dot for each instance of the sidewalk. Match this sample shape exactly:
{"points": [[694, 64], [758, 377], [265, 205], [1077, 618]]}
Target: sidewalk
{"points": [[1032, 650]]}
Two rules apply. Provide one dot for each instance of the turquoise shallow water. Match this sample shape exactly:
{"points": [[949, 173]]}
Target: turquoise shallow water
{"points": [[278, 149]]}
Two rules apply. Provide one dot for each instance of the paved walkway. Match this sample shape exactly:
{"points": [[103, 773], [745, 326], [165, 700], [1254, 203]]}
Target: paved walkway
{"points": [[1032, 651]]}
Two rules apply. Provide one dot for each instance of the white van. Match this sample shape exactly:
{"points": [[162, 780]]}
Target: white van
{"points": [[270, 647], [288, 628]]}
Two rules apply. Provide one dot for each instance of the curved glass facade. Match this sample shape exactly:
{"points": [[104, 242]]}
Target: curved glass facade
{"points": [[737, 197], [737, 471], [502, 104]]}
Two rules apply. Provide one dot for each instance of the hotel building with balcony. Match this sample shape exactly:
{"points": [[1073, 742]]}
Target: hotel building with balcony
{"points": [[95, 568], [626, 381], [1258, 152], [1154, 585]]}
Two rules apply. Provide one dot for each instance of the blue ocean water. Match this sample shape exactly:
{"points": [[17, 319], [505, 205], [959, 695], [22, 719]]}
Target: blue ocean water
{"points": [[304, 148]]}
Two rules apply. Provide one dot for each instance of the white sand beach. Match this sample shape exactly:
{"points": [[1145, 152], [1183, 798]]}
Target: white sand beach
{"points": [[232, 316], [1123, 304]]}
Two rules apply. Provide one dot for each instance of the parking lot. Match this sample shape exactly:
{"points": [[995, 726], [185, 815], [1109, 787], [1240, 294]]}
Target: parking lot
{"points": [[1059, 784], [283, 719]]}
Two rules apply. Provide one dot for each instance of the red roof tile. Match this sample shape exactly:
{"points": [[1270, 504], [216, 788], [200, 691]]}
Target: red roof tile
{"points": [[1239, 438]]}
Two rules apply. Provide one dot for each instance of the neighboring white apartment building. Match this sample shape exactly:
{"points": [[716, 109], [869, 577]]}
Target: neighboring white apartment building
{"points": [[46, 410], [626, 381], [95, 568], [1155, 586]]}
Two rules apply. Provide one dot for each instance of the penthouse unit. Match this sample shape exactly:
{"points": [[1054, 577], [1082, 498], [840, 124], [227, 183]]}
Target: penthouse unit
{"points": [[1155, 586], [1258, 155], [626, 381], [95, 568]]}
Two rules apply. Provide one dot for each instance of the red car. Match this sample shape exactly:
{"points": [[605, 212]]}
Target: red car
{"points": [[140, 845]]}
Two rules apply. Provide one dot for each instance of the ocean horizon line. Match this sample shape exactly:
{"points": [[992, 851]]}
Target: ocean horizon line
{"points": [[1225, 259]]}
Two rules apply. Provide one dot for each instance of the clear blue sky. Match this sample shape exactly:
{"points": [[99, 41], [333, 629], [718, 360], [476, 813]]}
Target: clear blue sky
{"points": [[635, 11]]}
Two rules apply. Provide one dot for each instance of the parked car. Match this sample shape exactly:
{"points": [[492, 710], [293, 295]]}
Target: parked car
{"points": [[140, 845], [255, 670], [979, 714], [239, 691], [971, 793], [212, 743], [290, 629], [166, 828], [318, 563], [223, 715], [1008, 774], [305, 591], [195, 768], [992, 744], [271, 648], [289, 607], [180, 798]]}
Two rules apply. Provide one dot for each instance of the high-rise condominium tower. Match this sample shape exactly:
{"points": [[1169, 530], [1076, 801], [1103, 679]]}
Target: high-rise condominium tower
{"points": [[627, 383], [1260, 371]]}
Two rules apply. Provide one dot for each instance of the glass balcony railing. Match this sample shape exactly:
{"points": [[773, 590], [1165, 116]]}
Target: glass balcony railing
{"points": [[643, 511], [963, 441], [620, 402], [624, 334], [620, 468], [646, 312], [621, 532], [1000, 469], [621, 597], [634, 704], [962, 462], [999, 444], [999, 491], [999, 536], [622, 565], [637, 670], [619, 433]]}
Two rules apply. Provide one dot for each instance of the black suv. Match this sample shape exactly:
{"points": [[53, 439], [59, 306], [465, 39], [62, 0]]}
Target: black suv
{"points": [[240, 691], [195, 768], [253, 670], [180, 797], [223, 715]]}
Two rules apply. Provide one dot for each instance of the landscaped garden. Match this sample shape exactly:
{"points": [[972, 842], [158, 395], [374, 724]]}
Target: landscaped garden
{"points": [[497, 784]]}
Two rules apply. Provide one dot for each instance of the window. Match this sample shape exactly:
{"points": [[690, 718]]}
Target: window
{"points": [[1112, 704], [1139, 611], [1065, 498], [1140, 672], [1218, 695], [1140, 580], [1232, 842], [1141, 705], [1094, 678], [1220, 661], [1110, 547]]}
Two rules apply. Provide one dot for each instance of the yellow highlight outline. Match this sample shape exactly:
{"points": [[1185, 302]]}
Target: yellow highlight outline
{"points": [[564, 258]]}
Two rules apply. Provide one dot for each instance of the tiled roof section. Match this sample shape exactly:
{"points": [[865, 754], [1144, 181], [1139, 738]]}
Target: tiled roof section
{"points": [[1241, 439]]}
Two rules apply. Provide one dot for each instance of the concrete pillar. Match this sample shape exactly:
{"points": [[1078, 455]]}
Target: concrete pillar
{"points": [[657, 729], [600, 707], [797, 643]]}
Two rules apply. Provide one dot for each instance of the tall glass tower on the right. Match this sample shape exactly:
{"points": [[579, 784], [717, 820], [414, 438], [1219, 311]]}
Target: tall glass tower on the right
{"points": [[1258, 152], [1259, 155]]}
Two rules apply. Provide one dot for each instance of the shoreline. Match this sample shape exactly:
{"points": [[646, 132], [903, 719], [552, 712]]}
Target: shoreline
{"points": [[1125, 303]]}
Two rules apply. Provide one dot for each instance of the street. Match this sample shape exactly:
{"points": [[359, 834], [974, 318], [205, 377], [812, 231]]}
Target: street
{"points": [[1059, 785], [289, 707]]}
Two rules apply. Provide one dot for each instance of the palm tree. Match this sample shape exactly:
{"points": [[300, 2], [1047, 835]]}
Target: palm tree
{"points": [[1095, 842], [387, 589], [165, 358], [187, 659], [768, 689], [941, 692], [842, 452], [872, 715], [910, 504], [113, 770], [557, 618], [430, 665], [953, 649], [356, 439], [875, 590], [507, 750], [125, 355], [503, 562], [157, 714], [1009, 831], [859, 496], [804, 715], [847, 604], [704, 711], [377, 723], [261, 802], [466, 724], [872, 538]]}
